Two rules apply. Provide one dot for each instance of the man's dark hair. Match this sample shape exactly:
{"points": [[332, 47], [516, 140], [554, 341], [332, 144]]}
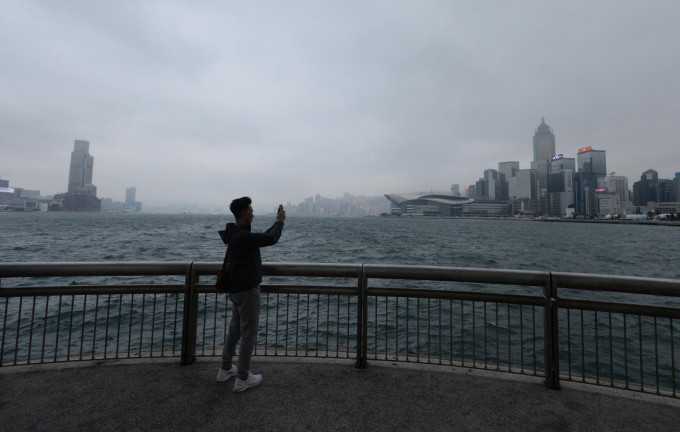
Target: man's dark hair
{"points": [[239, 206]]}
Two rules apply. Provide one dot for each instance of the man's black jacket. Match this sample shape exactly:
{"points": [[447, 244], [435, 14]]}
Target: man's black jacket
{"points": [[244, 264]]}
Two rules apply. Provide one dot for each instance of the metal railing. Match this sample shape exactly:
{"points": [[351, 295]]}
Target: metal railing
{"points": [[605, 330]]}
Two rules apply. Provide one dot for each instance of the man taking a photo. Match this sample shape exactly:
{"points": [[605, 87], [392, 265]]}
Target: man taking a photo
{"points": [[244, 267]]}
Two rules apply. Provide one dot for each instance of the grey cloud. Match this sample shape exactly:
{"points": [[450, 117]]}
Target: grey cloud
{"points": [[289, 99]]}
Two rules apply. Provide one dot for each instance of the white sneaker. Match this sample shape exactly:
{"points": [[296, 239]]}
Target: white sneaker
{"points": [[242, 385], [224, 375]]}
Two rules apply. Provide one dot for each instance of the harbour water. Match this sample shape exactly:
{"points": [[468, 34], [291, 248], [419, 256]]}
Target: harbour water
{"points": [[633, 250]]}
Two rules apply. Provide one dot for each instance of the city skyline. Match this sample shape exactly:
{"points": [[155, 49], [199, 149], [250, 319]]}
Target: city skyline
{"points": [[201, 104], [81, 174]]}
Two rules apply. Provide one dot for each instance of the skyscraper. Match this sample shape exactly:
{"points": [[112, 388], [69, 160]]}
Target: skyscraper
{"points": [[592, 168], [455, 190], [481, 189], [666, 191], [544, 142], [559, 163], [131, 203], [618, 185], [544, 150], [508, 169], [523, 184], [647, 188], [560, 184], [80, 172], [492, 180], [561, 191], [471, 191], [541, 168], [130, 196], [585, 185], [594, 161]]}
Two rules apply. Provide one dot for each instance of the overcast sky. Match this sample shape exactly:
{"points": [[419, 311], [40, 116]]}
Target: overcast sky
{"points": [[204, 101]]}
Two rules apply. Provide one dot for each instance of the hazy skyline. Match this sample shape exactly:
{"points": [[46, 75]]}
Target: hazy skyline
{"points": [[204, 102]]}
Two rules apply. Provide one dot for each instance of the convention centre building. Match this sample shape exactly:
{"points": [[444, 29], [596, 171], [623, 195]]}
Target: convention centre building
{"points": [[440, 205]]}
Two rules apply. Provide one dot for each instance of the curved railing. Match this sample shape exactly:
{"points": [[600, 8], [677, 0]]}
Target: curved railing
{"points": [[607, 330]]}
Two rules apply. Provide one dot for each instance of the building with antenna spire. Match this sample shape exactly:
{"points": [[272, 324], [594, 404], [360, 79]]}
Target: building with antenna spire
{"points": [[544, 142]]}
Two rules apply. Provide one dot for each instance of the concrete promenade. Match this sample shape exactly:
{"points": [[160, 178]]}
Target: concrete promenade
{"points": [[312, 395]]}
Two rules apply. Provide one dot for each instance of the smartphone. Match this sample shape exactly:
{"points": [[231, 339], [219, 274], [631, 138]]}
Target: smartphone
{"points": [[280, 208]]}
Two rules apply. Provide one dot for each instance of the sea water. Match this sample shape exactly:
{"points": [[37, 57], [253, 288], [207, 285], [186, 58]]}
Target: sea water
{"points": [[631, 250]]}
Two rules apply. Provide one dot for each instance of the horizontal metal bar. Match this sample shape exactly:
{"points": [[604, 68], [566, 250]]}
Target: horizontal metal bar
{"points": [[22, 269], [294, 289], [621, 284], [90, 289], [657, 311], [309, 269], [457, 274], [206, 268], [289, 269], [456, 295], [628, 284]]}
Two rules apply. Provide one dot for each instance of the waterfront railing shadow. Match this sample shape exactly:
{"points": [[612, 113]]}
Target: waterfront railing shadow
{"points": [[612, 331]]}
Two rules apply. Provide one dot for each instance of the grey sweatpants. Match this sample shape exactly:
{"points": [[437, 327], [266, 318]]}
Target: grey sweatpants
{"points": [[244, 322]]}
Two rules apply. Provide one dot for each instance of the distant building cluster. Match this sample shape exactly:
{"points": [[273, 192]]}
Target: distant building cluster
{"points": [[130, 204], [347, 205], [15, 198], [553, 185], [81, 194]]}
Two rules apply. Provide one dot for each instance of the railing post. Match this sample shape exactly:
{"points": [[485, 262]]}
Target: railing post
{"points": [[362, 317], [551, 335], [189, 317]]}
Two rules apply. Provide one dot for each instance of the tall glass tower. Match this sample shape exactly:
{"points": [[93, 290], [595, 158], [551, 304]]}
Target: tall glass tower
{"points": [[544, 150], [80, 172], [544, 142]]}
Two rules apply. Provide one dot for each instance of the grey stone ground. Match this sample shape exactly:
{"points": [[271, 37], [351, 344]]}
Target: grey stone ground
{"points": [[312, 395]]}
